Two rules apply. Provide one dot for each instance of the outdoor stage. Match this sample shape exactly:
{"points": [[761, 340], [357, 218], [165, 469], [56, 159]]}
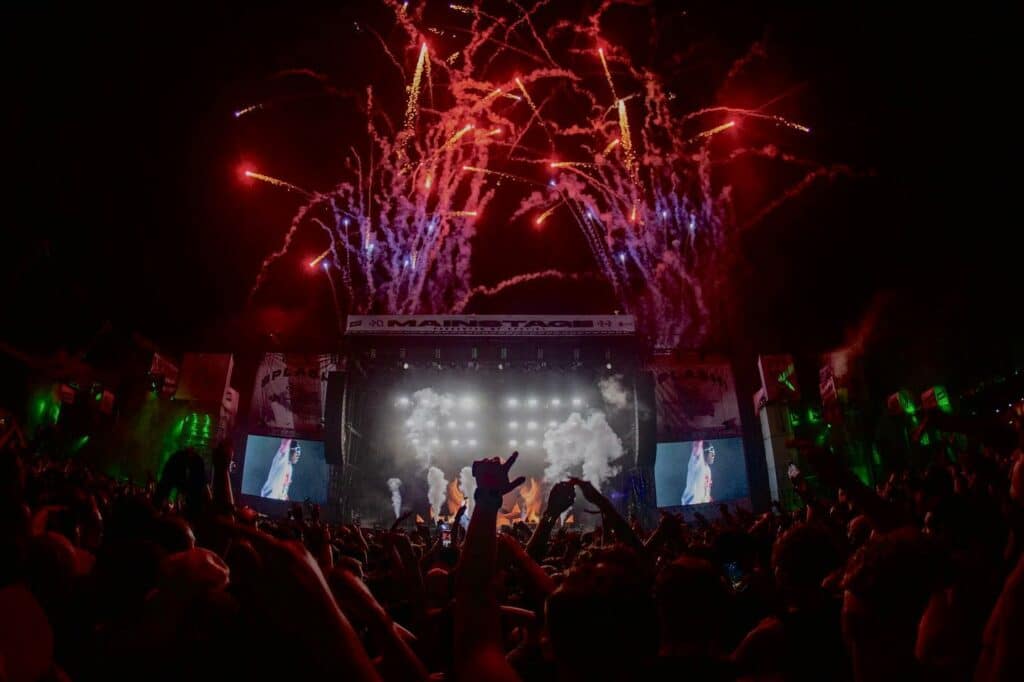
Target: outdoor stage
{"points": [[395, 421]]}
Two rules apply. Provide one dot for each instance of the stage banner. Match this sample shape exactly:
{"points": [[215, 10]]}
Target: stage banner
{"points": [[490, 325], [288, 396], [695, 398]]}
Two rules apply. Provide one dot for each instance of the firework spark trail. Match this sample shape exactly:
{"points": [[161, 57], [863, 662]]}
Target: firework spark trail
{"points": [[625, 136], [278, 183], [453, 140], [536, 114], [571, 164], [525, 17], [412, 106], [544, 216], [248, 110], [500, 174], [712, 131], [608, 74], [749, 113], [319, 259]]}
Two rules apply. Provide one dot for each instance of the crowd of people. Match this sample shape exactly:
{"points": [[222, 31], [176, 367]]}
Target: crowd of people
{"points": [[919, 578]]}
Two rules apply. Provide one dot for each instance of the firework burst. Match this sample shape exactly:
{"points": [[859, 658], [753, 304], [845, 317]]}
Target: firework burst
{"points": [[500, 107]]}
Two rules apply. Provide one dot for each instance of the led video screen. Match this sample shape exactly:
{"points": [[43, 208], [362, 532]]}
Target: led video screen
{"points": [[700, 472], [286, 469]]}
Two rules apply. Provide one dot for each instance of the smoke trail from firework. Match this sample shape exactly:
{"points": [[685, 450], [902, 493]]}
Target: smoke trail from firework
{"points": [[483, 290], [582, 446], [394, 485], [437, 490]]}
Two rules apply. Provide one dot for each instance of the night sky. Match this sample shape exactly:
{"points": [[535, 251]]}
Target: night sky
{"points": [[123, 201]]}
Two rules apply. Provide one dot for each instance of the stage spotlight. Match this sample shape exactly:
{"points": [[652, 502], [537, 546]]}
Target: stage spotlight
{"points": [[431, 424], [552, 424], [467, 403], [405, 365], [452, 424], [513, 402], [532, 402], [470, 425], [447, 404], [414, 441], [512, 443], [556, 402], [530, 426], [455, 442], [409, 422], [435, 441], [513, 425], [608, 366], [402, 401], [531, 443], [576, 402], [472, 443]]}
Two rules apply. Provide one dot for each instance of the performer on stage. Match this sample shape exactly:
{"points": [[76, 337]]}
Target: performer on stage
{"points": [[280, 475], [698, 474]]}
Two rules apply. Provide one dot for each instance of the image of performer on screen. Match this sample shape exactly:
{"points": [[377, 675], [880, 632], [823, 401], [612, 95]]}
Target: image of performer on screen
{"points": [[698, 474], [280, 474]]}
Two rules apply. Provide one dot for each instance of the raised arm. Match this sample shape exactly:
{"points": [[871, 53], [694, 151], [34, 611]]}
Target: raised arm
{"points": [[223, 495], [478, 642], [560, 498], [612, 518]]}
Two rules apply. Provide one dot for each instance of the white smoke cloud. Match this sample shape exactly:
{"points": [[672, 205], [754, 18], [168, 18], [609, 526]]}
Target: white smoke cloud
{"points": [[613, 392], [577, 444], [430, 410], [437, 491], [468, 486], [396, 495]]}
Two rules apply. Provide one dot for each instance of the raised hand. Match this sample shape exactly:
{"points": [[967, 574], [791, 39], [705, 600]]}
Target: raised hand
{"points": [[560, 498], [400, 520], [492, 475], [590, 493]]}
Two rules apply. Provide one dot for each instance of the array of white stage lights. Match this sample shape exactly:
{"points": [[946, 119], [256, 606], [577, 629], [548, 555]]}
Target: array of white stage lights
{"points": [[466, 403], [512, 402], [470, 403], [449, 406]]}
